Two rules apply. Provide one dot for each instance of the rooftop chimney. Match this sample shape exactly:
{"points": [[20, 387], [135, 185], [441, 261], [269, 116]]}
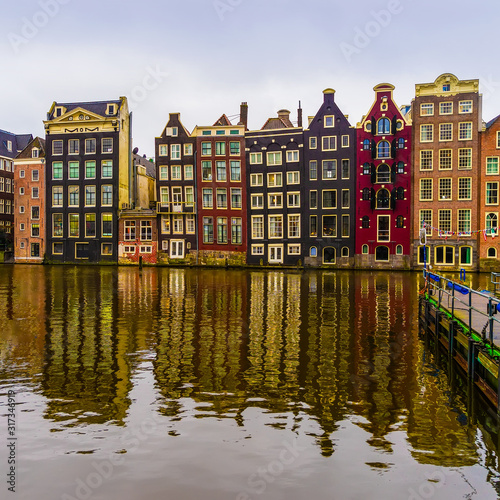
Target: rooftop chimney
{"points": [[299, 116], [244, 115]]}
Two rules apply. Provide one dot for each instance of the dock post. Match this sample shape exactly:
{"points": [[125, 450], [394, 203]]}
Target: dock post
{"points": [[471, 356], [451, 339], [470, 311], [490, 313]]}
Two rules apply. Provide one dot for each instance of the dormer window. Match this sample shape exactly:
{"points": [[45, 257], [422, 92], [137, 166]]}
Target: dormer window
{"points": [[446, 87], [58, 112], [9, 145], [111, 109], [34, 153]]}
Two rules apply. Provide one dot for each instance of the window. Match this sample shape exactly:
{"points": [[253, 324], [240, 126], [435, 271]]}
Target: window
{"points": [[129, 230], [236, 231], [426, 159], [206, 170], [147, 229], [345, 169], [345, 198], [383, 174], [329, 143], [329, 198], [175, 151], [190, 225], [465, 256], [294, 226], [464, 131], [492, 223], [234, 148], [257, 201], [275, 226], [235, 170], [90, 146], [73, 170], [292, 156], [176, 172], [236, 198], [426, 218], [294, 249], [345, 141], [274, 180], [365, 222], [107, 169], [220, 148], [492, 253], [364, 249], [313, 170], [445, 131], [188, 172], [366, 195], [163, 150], [465, 188], [492, 193], [255, 158], [107, 249], [8, 183], [465, 158], [21, 209], [329, 255], [329, 169], [345, 226], [164, 199], [257, 249], [329, 121], [381, 254], [383, 229], [313, 142], [492, 165], [444, 220], [90, 169], [383, 126], [444, 255], [107, 225], [400, 168], [330, 226], [313, 199], [74, 229], [57, 225], [90, 226], [207, 198], [445, 189], [367, 145], [57, 147], [73, 196], [188, 150], [221, 229], [313, 225], [275, 200], [206, 148], [189, 194], [106, 195], [21, 173], [383, 199], [464, 221], [293, 200], [445, 108], [221, 198], [57, 196], [274, 158], [383, 149], [163, 173], [400, 222], [257, 226], [208, 230], [293, 177], [34, 175], [165, 224], [498, 140], [465, 107], [425, 189], [426, 133], [366, 169], [426, 109], [256, 179], [444, 159], [107, 145], [275, 253]]}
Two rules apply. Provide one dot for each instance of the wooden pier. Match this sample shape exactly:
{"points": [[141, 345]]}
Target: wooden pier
{"points": [[465, 325]]}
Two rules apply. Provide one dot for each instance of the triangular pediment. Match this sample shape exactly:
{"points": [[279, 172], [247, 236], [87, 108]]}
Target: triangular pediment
{"points": [[79, 115]]}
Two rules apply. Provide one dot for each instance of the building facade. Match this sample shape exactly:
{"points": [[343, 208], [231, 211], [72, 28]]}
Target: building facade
{"points": [[137, 237], [176, 193], [88, 180], [446, 124], [329, 185], [383, 197], [275, 182], [221, 193], [29, 202]]}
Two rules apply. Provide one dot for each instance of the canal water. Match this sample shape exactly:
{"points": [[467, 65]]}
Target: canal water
{"points": [[231, 385]]}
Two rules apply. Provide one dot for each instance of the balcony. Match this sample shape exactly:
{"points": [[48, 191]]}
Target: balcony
{"points": [[175, 207]]}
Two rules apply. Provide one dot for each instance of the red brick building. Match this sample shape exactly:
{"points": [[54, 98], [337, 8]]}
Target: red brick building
{"points": [[137, 237], [29, 203]]}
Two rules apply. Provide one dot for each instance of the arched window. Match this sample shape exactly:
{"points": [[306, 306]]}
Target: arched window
{"points": [[365, 222], [399, 250], [384, 126], [383, 199], [329, 255], [400, 221], [491, 222], [400, 167], [383, 149], [366, 145], [492, 253], [364, 249], [366, 194], [382, 254], [401, 143], [345, 252], [366, 169], [383, 173], [313, 251], [400, 194]]}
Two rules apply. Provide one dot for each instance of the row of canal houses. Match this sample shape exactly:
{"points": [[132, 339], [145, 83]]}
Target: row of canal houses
{"points": [[324, 194]]}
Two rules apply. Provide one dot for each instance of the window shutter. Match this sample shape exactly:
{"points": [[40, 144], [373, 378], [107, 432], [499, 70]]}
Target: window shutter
{"points": [[373, 174], [372, 199], [393, 148], [374, 125], [393, 172], [394, 193], [374, 149], [394, 124]]}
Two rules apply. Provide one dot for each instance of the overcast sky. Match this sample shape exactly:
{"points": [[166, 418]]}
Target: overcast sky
{"points": [[203, 58]]}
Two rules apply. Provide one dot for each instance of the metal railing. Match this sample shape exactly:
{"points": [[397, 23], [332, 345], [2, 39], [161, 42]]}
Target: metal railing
{"points": [[461, 297]]}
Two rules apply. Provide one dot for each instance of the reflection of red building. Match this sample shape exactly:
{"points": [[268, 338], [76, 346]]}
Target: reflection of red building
{"points": [[220, 171], [138, 237], [383, 215]]}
